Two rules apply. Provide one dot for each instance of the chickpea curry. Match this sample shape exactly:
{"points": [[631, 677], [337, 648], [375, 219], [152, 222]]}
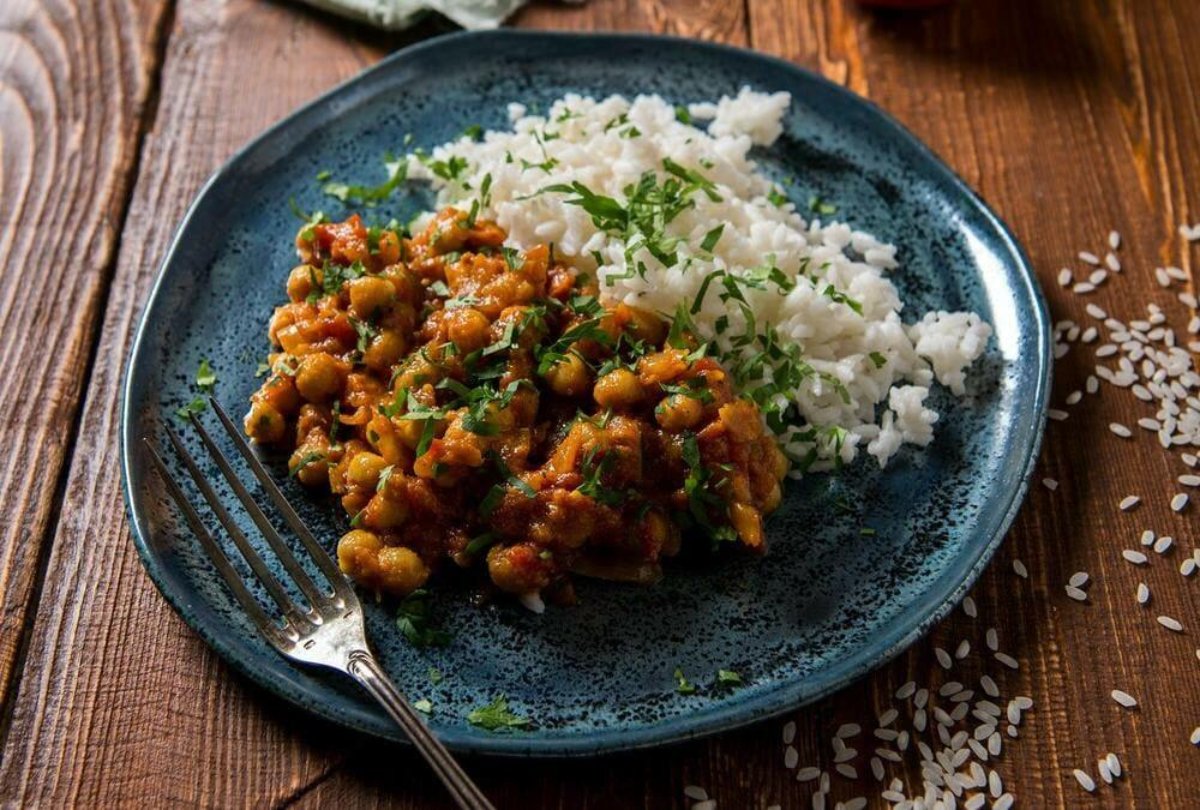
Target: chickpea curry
{"points": [[477, 406]]}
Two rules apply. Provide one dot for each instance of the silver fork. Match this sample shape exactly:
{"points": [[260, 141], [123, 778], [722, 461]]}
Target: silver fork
{"points": [[330, 631]]}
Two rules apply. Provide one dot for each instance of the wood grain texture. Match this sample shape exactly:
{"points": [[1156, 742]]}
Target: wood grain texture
{"points": [[75, 78], [1070, 119], [115, 685]]}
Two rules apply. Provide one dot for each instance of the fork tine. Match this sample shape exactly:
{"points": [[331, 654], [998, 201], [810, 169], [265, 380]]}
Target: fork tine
{"points": [[273, 632], [317, 598], [290, 609], [323, 560]]}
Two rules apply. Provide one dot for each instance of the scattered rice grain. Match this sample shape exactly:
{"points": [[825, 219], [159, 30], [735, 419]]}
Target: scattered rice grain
{"points": [[1124, 698]]}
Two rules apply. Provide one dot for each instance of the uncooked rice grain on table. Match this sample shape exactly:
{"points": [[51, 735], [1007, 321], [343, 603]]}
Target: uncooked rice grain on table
{"points": [[853, 401]]}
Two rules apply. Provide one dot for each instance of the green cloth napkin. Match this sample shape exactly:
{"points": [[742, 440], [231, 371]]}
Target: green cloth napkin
{"points": [[397, 14]]}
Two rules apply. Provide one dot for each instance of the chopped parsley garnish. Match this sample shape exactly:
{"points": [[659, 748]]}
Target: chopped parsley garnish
{"points": [[414, 619], [878, 359], [776, 197], [819, 206], [682, 115], [728, 679], [423, 706], [866, 531], [195, 406], [206, 378], [385, 475], [262, 370], [474, 132], [839, 297], [436, 676], [629, 132], [593, 471], [310, 220], [620, 121], [333, 276], [366, 332], [324, 174], [712, 237], [355, 194], [682, 685], [513, 258], [449, 170], [496, 716], [701, 499], [650, 206], [481, 543], [305, 460]]}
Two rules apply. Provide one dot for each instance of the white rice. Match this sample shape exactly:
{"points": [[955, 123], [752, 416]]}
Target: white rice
{"points": [[1124, 698], [873, 371]]}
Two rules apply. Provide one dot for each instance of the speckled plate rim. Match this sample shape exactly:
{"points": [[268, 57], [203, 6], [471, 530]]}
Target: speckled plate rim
{"points": [[927, 610]]}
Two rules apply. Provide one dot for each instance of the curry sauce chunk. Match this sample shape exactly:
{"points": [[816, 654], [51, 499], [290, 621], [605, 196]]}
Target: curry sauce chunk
{"points": [[477, 406]]}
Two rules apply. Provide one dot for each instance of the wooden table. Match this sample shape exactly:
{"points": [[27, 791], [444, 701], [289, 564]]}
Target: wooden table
{"points": [[1070, 118]]}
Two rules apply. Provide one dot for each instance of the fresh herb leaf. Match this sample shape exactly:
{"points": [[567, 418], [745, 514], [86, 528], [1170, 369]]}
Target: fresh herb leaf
{"points": [[474, 132], [449, 169], [206, 378], [305, 460], [729, 679], [878, 359], [819, 206], [496, 716], [481, 543], [415, 621], [385, 475], [513, 258], [837, 296], [397, 173], [682, 685], [682, 115], [712, 237], [776, 197], [423, 706], [197, 405]]}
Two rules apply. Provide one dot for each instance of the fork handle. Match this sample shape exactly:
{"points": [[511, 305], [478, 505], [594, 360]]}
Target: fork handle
{"points": [[363, 667]]}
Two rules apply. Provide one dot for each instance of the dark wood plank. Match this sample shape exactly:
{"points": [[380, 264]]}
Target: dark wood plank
{"points": [[1071, 121], [75, 81], [120, 703]]}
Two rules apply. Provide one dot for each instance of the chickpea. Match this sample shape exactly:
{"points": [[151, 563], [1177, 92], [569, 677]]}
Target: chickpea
{"points": [[468, 328], [364, 469], [318, 377], [742, 419], [389, 248], [370, 295], [401, 571], [678, 412], [646, 326], [618, 389], [779, 462], [385, 513], [773, 499], [264, 424], [280, 393], [747, 522], [310, 465], [303, 281], [406, 283], [357, 552], [517, 569], [384, 350], [569, 377]]}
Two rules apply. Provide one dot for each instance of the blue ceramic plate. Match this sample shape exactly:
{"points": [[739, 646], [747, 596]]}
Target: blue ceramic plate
{"points": [[826, 605]]}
